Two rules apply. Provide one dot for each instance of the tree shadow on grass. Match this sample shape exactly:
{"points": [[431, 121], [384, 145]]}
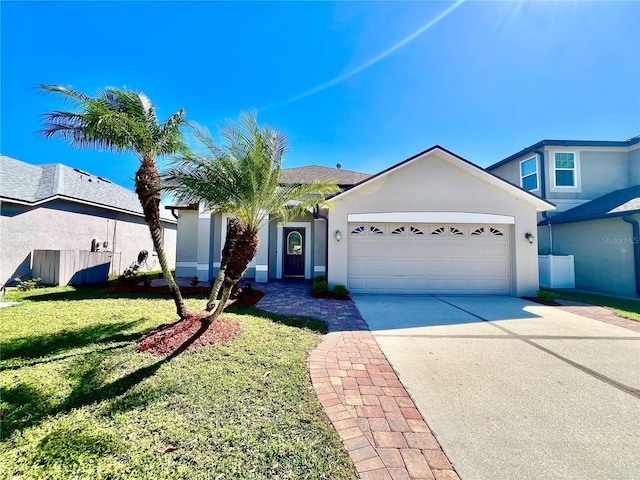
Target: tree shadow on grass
{"points": [[289, 320], [25, 406], [39, 346], [95, 292]]}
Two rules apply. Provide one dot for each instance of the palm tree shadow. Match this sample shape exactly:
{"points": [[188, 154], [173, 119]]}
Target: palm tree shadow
{"points": [[86, 392], [39, 346], [289, 320]]}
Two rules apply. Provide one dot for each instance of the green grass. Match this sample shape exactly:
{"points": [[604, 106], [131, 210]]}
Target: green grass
{"points": [[625, 308], [78, 401]]}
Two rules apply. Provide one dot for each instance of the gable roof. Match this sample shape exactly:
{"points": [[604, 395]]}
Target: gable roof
{"points": [[566, 143], [24, 183], [615, 204], [466, 165], [343, 178]]}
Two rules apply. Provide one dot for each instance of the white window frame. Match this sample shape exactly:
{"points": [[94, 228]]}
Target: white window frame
{"points": [[576, 187], [536, 173]]}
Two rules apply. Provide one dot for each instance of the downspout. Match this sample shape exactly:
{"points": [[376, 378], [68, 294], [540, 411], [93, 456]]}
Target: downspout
{"points": [[543, 195], [635, 239], [316, 216]]}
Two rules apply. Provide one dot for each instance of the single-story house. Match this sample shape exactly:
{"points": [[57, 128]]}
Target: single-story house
{"points": [[434, 223], [58, 208]]}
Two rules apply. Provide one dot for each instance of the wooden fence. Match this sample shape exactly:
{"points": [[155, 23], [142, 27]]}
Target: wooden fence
{"points": [[75, 267]]}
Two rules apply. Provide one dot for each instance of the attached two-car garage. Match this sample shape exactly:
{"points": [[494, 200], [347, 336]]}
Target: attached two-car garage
{"points": [[435, 223], [444, 258]]}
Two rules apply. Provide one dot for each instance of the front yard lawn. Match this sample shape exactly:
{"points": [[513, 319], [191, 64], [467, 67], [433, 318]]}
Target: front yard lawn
{"points": [[625, 308], [78, 401]]}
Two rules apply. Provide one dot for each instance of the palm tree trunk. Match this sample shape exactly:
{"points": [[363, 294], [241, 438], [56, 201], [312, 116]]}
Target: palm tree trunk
{"points": [[239, 254], [215, 290], [233, 232], [148, 190]]}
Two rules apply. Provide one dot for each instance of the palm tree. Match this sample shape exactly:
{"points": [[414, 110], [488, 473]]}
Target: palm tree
{"points": [[241, 177], [123, 121]]}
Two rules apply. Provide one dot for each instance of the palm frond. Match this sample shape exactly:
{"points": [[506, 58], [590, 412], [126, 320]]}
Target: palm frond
{"points": [[117, 120], [242, 176]]}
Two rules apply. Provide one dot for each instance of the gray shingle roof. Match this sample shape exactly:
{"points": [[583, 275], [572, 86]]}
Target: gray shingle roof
{"points": [[31, 184], [614, 204], [343, 178]]}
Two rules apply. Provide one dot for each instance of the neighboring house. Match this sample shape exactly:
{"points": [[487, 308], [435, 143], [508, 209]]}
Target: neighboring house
{"points": [[55, 207], [434, 223], [596, 188]]}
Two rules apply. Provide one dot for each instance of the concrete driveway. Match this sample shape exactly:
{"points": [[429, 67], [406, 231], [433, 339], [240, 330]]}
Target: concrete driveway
{"points": [[513, 389]]}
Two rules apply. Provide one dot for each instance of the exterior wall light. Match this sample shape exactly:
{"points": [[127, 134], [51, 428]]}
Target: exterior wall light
{"points": [[529, 236], [338, 235]]}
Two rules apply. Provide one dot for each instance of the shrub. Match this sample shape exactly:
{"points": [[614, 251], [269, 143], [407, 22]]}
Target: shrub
{"points": [[319, 286], [546, 296], [339, 291], [146, 280], [130, 274], [195, 281], [25, 285]]}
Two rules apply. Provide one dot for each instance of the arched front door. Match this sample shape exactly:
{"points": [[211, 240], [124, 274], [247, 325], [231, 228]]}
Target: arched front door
{"points": [[293, 248]]}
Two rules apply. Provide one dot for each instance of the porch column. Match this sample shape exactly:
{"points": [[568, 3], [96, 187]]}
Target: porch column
{"points": [[187, 243], [204, 245], [262, 257], [319, 247]]}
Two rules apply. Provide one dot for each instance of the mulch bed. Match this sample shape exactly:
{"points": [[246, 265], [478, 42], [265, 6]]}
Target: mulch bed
{"points": [[542, 302], [192, 332]]}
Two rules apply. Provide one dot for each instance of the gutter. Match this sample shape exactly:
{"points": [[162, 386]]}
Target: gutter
{"points": [[636, 249], [316, 216]]}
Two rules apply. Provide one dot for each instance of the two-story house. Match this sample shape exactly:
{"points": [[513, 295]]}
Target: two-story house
{"points": [[596, 189]]}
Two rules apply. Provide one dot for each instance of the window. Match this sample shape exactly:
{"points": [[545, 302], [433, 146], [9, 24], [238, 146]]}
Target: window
{"points": [[294, 244], [529, 174], [565, 169]]}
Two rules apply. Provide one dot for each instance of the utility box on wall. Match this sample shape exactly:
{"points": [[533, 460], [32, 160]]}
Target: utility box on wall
{"points": [[556, 271]]}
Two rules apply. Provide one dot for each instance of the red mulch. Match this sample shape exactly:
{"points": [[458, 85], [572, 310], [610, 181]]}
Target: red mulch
{"points": [[542, 302], [247, 298], [174, 338]]}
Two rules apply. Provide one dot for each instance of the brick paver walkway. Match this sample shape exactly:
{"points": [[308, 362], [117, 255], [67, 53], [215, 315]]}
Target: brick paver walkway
{"points": [[378, 422]]}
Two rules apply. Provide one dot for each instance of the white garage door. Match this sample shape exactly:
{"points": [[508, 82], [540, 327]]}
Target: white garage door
{"points": [[429, 258]]}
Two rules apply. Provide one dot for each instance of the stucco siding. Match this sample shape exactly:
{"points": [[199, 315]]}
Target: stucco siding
{"points": [[509, 172], [603, 251], [599, 172], [187, 244], [61, 225], [634, 167], [436, 183]]}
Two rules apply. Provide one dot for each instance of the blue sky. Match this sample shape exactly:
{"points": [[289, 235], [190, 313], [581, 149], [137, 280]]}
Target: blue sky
{"points": [[486, 80]]}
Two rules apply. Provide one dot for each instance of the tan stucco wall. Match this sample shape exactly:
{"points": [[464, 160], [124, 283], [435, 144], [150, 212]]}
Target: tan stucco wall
{"points": [[61, 225], [603, 251], [435, 183]]}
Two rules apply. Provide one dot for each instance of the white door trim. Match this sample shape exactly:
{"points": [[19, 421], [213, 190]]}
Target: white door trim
{"points": [[307, 246]]}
